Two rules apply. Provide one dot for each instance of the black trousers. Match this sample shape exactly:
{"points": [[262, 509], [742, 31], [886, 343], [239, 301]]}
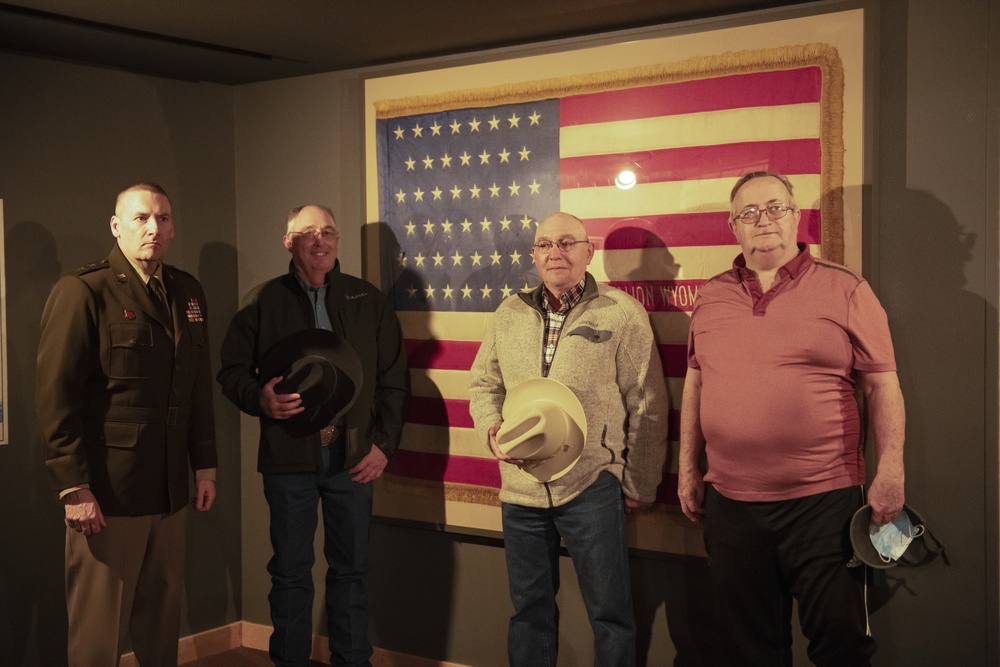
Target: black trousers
{"points": [[764, 554]]}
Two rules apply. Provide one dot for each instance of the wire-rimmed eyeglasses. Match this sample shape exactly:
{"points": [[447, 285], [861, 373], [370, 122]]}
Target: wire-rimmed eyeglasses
{"points": [[751, 214], [327, 233], [545, 247]]}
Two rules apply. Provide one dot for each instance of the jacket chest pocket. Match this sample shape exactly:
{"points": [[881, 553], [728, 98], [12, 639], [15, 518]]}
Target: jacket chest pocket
{"points": [[131, 350]]}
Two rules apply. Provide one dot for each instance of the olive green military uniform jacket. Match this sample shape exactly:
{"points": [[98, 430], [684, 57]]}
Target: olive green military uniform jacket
{"points": [[124, 397]]}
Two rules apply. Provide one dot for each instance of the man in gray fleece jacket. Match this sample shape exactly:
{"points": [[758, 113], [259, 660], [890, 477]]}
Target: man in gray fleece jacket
{"points": [[597, 341]]}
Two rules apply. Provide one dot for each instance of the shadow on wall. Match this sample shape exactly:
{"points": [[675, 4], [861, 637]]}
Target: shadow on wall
{"points": [[938, 332], [213, 573], [32, 594], [424, 628]]}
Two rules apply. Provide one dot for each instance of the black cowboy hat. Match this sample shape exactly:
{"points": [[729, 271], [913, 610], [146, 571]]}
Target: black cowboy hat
{"points": [[320, 366], [922, 550]]}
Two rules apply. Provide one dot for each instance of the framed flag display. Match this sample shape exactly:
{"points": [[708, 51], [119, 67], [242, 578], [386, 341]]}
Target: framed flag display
{"points": [[642, 140]]}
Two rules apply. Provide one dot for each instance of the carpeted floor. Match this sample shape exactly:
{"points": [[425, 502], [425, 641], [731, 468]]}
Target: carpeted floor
{"points": [[238, 657]]}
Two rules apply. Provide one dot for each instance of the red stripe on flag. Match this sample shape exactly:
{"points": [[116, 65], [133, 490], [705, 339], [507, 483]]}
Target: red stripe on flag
{"points": [[436, 411], [756, 89], [666, 493], [674, 360], [795, 156], [681, 230], [448, 355], [445, 468]]}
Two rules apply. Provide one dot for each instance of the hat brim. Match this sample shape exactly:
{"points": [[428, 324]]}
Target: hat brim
{"points": [[862, 541], [323, 368], [554, 467]]}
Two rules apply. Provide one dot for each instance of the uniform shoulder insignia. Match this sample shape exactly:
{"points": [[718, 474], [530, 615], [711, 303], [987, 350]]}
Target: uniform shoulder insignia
{"points": [[89, 268]]}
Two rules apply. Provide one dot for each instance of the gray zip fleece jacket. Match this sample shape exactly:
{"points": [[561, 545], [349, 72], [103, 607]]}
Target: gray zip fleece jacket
{"points": [[606, 354]]}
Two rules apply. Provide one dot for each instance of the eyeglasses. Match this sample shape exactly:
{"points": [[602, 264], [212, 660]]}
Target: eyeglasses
{"points": [[751, 214], [545, 247], [327, 234]]}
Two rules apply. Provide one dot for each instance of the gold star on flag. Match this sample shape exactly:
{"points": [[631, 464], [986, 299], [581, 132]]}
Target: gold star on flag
{"points": [[494, 190], [465, 157], [505, 291], [429, 291], [474, 125], [419, 259], [418, 131], [535, 116], [484, 158], [494, 123], [456, 127], [525, 222], [466, 225], [513, 120], [504, 156], [436, 192], [515, 258], [514, 188], [534, 185], [428, 227], [399, 132], [400, 196], [456, 259], [402, 259], [505, 223], [495, 257], [475, 190], [410, 228], [485, 224], [409, 164], [466, 292], [445, 161], [419, 194], [446, 226], [428, 162], [435, 129], [524, 153], [486, 290], [411, 291], [476, 257], [438, 259], [447, 290], [456, 192]]}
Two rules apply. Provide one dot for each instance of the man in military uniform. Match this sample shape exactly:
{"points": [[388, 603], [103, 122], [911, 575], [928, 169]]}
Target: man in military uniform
{"points": [[125, 408]]}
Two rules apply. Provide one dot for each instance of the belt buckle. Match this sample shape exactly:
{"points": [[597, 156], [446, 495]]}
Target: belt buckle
{"points": [[328, 435]]}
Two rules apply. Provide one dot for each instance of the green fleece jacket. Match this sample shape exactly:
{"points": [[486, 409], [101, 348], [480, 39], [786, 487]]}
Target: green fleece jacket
{"points": [[606, 354]]}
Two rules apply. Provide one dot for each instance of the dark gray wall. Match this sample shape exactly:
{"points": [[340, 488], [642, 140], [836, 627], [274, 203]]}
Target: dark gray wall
{"points": [[70, 138]]}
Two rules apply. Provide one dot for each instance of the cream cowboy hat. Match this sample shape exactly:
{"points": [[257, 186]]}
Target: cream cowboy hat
{"points": [[543, 424]]}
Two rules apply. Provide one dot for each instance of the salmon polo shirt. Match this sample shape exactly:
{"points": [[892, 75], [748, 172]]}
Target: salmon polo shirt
{"points": [[778, 410]]}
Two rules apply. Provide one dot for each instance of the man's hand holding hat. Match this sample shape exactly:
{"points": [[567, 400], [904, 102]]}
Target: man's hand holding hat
{"points": [[279, 406]]}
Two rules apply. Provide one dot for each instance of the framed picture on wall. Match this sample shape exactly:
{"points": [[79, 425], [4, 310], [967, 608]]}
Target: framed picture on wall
{"points": [[642, 139]]}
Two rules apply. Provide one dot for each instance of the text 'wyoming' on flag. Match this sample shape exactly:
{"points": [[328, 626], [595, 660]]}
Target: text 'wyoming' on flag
{"points": [[647, 167]]}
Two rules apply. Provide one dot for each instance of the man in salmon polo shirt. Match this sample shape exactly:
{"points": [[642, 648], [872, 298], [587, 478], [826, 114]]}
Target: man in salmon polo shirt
{"points": [[776, 347]]}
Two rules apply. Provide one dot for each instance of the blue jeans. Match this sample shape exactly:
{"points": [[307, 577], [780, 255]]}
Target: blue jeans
{"points": [[347, 507], [593, 527]]}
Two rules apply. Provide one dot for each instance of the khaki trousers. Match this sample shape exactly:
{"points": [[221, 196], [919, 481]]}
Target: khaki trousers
{"points": [[126, 580]]}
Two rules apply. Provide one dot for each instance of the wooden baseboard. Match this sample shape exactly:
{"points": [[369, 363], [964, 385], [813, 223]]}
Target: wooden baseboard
{"points": [[256, 636]]}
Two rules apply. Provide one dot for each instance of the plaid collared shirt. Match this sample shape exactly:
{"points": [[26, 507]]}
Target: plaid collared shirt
{"points": [[554, 320]]}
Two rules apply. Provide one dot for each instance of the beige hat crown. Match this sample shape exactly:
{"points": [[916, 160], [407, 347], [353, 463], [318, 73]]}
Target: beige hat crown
{"points": [[545, 426]]}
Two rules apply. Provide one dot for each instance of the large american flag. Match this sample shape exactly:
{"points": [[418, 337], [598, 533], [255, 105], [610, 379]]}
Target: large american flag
{"points": [[461, 191]]}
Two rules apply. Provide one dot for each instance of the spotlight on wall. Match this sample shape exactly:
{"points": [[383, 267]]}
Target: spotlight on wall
{"points": [[625, 180]]}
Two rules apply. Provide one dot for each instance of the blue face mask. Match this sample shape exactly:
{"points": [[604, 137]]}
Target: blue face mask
{"points": [[892, 539]]}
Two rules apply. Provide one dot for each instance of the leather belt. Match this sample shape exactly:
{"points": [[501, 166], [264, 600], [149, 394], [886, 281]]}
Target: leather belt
{"points": [[328, 435]]}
